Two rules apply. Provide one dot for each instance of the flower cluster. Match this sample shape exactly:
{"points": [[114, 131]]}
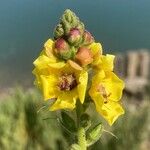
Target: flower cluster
{"points": [[63, 66]]}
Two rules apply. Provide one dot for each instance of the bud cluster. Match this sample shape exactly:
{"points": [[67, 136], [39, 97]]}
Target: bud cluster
{"points": [[72, 40]]}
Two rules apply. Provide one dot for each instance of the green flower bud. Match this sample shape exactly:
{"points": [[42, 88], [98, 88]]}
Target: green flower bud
{"points": [[94, 134], [81, 27], [59, 31], [69, 21], [70, 54], [63, 50]]}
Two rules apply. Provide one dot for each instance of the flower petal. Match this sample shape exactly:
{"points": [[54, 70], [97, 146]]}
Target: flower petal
{"points": [[83, 79], [42, 62], [49, 86], [65, 100], [97, 98], [57, 65], [103, 62], [37, 80], [114, 85], [93, 92], [107, 62], [98, 77], [111, 111], [49, 46], [96, 48], [74, 65]]}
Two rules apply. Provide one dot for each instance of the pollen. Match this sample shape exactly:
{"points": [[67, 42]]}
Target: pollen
{"points": [[67, 82], [104, 93]]}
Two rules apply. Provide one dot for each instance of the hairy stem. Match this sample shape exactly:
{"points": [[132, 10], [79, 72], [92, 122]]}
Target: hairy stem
{"points": [[81, 135], [81, 138]]}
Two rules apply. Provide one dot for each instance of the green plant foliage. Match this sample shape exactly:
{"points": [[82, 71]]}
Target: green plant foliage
{"points": [[68, 122], [22, 128]]}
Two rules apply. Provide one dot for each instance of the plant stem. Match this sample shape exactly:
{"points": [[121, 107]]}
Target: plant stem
{"points": [[81, 138], [81, 135]]}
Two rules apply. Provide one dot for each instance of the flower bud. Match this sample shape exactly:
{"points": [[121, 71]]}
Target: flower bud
{"points": [[59, 31], [87, 38], [63, 50], [94, 134], [69, 20], [74, 36], [84, 56], [81, 27], [61, 45]]}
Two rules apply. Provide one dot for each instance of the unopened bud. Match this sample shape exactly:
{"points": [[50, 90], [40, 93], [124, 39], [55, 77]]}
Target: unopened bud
{"points": [[63, 50], [94, 134], [87, 38], [69, 21], [81, 27], [74, 37], [61, 45], [59, 31], [84, 56]]}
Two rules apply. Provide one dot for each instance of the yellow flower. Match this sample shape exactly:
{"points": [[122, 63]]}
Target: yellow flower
{"points": [[96, 48], [106, 91], [65, 84], [104, 62]]}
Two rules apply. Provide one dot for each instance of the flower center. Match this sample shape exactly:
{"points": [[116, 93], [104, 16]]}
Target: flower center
{"points": [[102, 90], [67, 82]]}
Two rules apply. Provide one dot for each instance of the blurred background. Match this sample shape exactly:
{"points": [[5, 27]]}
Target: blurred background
{"points": [[123, 28]]}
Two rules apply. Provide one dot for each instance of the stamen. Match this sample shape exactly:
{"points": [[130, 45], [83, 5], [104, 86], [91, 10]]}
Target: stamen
{"points": [[67, 82], [104, 93]]}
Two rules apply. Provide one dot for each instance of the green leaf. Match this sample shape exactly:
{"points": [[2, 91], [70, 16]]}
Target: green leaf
{"points": [[68, 122]]}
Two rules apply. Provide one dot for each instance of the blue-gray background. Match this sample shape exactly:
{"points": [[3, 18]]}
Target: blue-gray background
{"points": [[26, 24]]}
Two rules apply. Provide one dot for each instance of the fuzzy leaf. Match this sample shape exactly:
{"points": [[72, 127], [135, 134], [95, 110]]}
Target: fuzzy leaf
{"points": [[68, 122]]}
